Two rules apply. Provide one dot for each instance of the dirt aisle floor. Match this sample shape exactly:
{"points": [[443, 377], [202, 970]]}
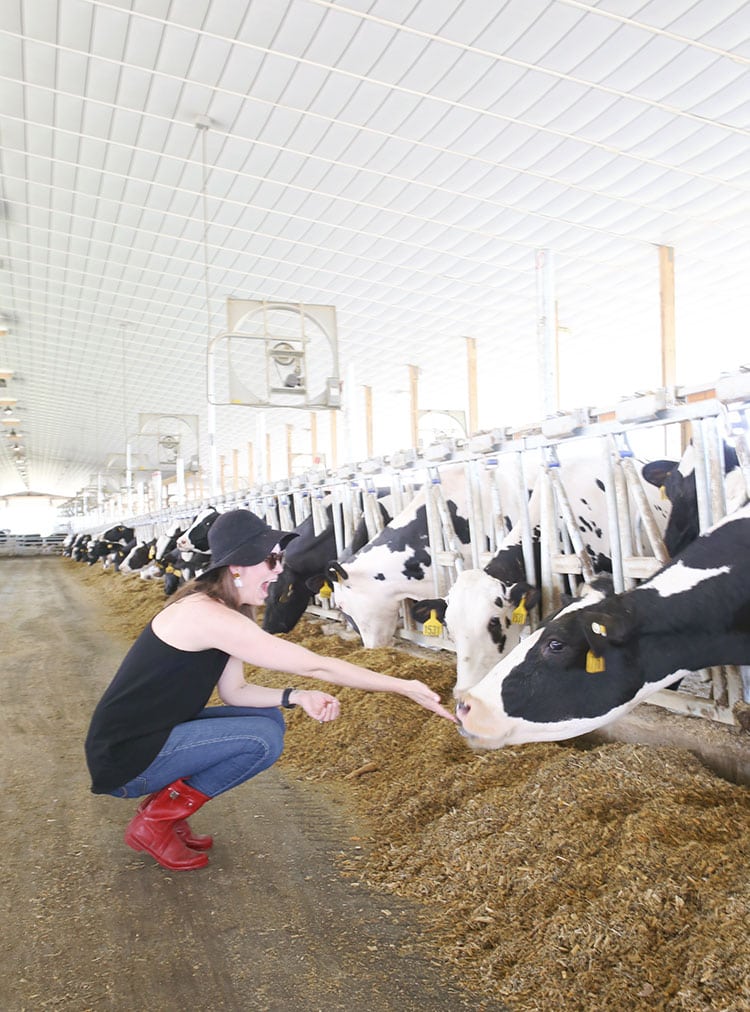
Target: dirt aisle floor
{"points": [[88, 924]]}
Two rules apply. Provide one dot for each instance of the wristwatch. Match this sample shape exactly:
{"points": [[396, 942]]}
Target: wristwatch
{"points": [[285, 699]]}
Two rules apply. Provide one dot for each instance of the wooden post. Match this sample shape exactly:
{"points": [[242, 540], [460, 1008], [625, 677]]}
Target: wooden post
{"points": [[368, 419], [471, 351], [235, 470], [669, 342], [414, 403], [222, 467], [313, 436], [666, 302], [334, 439]]}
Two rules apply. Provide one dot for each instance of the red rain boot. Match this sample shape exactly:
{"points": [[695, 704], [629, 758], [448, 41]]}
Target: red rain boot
{"points": [[184, 830], [153, 828]]}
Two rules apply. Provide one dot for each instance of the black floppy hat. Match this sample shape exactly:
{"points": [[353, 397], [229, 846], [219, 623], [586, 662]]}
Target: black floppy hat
{"points": [[240, 538]]}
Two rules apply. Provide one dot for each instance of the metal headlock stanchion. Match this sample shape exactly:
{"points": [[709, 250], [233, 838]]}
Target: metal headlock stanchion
{"points": [[338, 518], [286, 519], [560, 564]]}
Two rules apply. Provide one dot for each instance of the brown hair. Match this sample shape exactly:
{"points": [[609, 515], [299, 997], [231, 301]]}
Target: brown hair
{"points": [[218, 585]]}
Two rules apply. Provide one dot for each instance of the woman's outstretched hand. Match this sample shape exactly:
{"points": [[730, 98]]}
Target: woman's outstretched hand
{"points": [[318, 705], [430, 700]]}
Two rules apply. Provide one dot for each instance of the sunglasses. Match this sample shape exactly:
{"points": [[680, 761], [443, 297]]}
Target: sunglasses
{"points": [[274, 559]]}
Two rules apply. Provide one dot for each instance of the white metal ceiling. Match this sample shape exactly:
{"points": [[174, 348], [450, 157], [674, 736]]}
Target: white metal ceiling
{"points": [[401, 161]]}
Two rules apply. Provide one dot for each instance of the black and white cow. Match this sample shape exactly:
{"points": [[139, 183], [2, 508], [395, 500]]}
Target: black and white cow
{"points": [[306, 559], [677, 479], [397, 564], [138, 557], [190, 554], [592, 663], [165, 543], [112, 546], [79, 548], [195, 537], [486, 611]]}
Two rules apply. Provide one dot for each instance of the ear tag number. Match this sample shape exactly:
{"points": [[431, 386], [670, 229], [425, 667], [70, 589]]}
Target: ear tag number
{"points": [[520, 615], [433, 626]]}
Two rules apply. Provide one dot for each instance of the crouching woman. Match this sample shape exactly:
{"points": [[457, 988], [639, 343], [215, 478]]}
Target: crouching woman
{"points": [[153, 736]]}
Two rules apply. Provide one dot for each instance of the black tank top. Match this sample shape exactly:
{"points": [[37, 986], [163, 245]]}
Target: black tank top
{"points": [[156, 687]]}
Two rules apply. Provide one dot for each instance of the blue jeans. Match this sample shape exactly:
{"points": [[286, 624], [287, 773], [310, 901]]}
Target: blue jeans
{"points": [[222, 747]]}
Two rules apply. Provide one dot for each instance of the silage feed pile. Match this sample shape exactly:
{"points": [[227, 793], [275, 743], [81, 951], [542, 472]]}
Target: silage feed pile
{"points": [[550, 876]]}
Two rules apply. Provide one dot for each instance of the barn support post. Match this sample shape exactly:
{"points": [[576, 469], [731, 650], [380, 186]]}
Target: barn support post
{"points": [[667, 315], [334, 439], [211, 424], [129, 476], [289, 452], [471, 367], [180, 480], [349, 408], [368, 421], [414, 404], [260, 442], [313, 438], [546, 336]]}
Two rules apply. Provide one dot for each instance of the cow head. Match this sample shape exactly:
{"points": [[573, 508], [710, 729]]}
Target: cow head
{"points": [[485, 619], [287, 600], [195, 538], [361, 599], [580, 670], [676, 479]]}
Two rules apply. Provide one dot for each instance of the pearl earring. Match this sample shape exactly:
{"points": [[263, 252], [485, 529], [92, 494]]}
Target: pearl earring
{"points": [[236, 579]]}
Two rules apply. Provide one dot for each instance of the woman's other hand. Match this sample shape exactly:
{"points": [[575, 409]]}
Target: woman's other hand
{"points": [[318, 705]]}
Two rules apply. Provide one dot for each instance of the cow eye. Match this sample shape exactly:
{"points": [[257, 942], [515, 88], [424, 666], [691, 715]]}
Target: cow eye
{"points": [[555, 646]]}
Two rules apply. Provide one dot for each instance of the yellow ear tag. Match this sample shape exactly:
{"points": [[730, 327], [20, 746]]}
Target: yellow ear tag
{"points": [[663, 492], [594, 664], [152, 551], [433, 626], [169, 569], [325, 590], [520, 615]]}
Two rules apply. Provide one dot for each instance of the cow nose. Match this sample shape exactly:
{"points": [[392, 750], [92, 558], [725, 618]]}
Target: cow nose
{"points": [[462, 709]]}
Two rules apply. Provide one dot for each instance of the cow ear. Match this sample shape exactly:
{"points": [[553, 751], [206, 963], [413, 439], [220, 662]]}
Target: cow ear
{"points": [[655, 472], [601, 627], [315, 583], [335, 572], [525, 592], [420, 610]]}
